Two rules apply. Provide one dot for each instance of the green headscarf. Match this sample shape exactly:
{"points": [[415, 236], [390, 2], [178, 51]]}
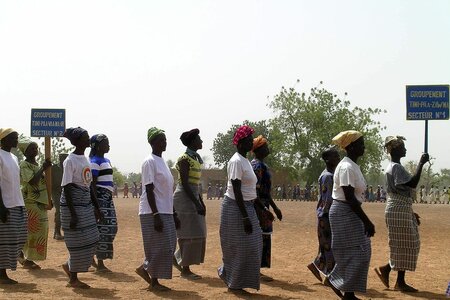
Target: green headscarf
{"points": [[23, 144], [153, 132]]}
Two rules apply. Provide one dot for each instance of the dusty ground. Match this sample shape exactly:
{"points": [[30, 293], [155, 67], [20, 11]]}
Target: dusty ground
{"points": [[294, 246]]}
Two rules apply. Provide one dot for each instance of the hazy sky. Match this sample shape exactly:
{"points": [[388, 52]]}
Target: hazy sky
{"points": [[120, 67]]}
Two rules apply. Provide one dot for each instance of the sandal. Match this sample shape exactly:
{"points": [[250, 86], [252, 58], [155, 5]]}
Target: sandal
{"points": [[78, 285]]}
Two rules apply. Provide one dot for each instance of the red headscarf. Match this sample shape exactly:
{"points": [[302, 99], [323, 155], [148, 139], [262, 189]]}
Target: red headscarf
{"points": [[242, 132]]}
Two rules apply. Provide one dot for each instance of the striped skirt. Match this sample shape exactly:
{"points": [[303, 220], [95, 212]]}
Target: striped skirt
{"points": [[13, 235], [108, 227], [241, 252], [36, 246], [403, 233], [158, 246], [81, 241], [351, 249]]}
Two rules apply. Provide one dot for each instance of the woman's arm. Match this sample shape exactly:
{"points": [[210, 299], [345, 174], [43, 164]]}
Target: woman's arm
{"points": [[37, 177], [416, 178], [236, 183], [73, 214], [355, 205], [158, 224], [183, 166]]}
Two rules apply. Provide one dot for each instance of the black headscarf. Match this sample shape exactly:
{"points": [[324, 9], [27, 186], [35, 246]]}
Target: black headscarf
{"points": [[189, 136], [74, 133]]}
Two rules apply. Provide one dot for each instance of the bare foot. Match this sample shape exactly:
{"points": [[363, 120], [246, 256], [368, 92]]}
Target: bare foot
{"points": [[78, 285], [143, 274]]}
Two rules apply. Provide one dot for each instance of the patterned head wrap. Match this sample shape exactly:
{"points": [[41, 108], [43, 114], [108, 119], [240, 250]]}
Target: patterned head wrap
{"points": [[153, 132], [189, 136], [23, 144], [242, 132], [345, 138], [392, 142], [259, 142], [4, 132], [96, 139], [74, 133]]}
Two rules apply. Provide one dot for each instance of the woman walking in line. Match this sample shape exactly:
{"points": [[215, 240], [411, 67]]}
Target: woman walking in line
{"points": [[324, 261], [79, 209], [13, 215], [351, 229], [102, 177], [263, 190], [240, 233], [402, 222], [190, 207], [34, 191], [158, 219]]}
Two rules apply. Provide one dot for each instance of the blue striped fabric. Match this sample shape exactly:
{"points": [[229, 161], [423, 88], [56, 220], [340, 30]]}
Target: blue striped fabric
{"points": [[81, 241], [13, 235], [159, 247], [351, 249], [241, 252], [102, 169]]}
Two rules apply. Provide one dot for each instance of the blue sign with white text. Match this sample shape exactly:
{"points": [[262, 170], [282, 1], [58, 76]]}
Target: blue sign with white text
{"points": [[427, 102], [48, 122]]}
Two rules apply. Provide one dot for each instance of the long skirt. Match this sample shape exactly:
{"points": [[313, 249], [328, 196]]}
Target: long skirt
{"points": [[192, 233], [403, 233], [351, 249], [158, 246], [81, 241], [324, 261], [241, 252], [108, 227], [13, 235], [36, 246]]}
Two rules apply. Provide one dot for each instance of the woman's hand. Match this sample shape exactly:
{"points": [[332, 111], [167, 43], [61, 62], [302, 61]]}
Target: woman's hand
{"points": [[278, 213], [201, 210], [73, 221], [98, 215], [248, 225], [424, 158], [49, 206], [417, 219], [47, 164], [158, 224], [369, 228], [4, 213]]}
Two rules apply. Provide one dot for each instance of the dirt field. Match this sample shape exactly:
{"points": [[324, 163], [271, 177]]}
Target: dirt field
{"points": [[294, 246]]}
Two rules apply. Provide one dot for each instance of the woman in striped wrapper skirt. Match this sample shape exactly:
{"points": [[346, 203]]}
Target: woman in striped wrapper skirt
{"points": [[401, 221]]}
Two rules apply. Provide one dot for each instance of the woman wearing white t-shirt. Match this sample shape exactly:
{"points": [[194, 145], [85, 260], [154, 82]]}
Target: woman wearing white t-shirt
{"points": [[240, 233], [350, 227], [13, 216], [79, 209], [158, 219]]}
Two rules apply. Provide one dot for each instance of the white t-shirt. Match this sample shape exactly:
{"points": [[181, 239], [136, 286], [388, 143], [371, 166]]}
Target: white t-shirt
{"points": [[239, 167], [10, 180], [77, 170], [156, 171], [348, 173]]}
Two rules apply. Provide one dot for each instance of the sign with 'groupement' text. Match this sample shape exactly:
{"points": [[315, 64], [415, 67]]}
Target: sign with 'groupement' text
{"points": [[48, 122], [427, 102]]}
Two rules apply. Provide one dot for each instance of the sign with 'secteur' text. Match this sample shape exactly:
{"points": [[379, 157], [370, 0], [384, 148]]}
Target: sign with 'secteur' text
{"points": [[427, 102], [48, 122]]}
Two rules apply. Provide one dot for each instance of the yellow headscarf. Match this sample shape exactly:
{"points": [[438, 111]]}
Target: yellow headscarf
{"points": [[392, 142], [24, 142], [258, 142], [345, 138], [5, 132]]}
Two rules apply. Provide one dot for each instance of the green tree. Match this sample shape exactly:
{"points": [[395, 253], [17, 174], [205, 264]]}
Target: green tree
{"points": [[134, 177], [58, 146], [118, 177], [307, 123], [223, 148]]}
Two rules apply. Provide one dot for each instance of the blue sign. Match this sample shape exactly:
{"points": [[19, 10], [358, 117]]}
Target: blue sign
{"points": [[427, 102], [48, 122]]}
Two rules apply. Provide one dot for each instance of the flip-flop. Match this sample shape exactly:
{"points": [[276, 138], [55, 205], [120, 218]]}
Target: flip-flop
{"points": [[143, 274], [78, 285], [384, 280], [191, 276], [406, 289]]}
